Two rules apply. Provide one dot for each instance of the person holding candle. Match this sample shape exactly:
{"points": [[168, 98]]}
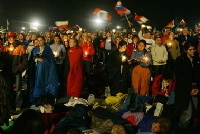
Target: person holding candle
{"points": [[119, 72], [159, 56], [15, 62], [88, 52], [59, 53], [172, 46], [141, 72], [65, 40], [44, 79]]}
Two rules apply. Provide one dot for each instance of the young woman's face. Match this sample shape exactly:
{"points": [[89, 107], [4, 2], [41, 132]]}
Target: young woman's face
{"points": [[155, 127], [141, 46], [191, 51]]}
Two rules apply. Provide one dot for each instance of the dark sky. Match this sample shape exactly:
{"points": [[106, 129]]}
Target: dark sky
{"points": [[159, 12]]}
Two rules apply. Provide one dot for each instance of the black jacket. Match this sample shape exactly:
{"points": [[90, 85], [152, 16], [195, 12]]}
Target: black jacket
{"points": [[185, 75]]}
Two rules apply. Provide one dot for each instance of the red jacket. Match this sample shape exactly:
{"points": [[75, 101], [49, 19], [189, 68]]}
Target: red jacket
{"points": [[88, 50], [156, 86]]}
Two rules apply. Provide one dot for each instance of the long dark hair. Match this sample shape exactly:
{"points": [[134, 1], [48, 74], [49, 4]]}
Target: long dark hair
{"points": [[145, 43]]}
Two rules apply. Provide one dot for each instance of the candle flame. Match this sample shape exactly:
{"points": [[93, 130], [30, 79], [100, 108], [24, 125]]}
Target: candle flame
{"points": [[11, 48], [86, 53], [145, 58], [123, 57], [170, 44], [55, 53]]}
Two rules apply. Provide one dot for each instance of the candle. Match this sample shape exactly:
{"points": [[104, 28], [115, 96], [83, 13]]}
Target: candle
{"points": [[145, 58], [143, 25], [123, 57], [85, 54], [169, 44], [11, 48], [55, 53]]}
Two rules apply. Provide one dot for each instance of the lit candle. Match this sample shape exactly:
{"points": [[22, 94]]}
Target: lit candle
{"points": [[11, 48], [85, 54], [55, 53], [143, 25], [169, 44], [145, 58], [123, 57]]}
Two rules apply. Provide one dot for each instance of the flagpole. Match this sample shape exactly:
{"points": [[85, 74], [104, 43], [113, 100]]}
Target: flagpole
{"points": [[7, 24], [127, 19]]}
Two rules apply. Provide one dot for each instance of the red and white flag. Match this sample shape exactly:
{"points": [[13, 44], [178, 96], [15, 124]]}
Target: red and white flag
{"points": [[182, 23], [101, 14], [140, 19], [170, 24], [61, 24]]}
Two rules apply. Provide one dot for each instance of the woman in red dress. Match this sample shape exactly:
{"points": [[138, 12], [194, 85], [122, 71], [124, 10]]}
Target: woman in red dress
{"points": [[75, 75]]}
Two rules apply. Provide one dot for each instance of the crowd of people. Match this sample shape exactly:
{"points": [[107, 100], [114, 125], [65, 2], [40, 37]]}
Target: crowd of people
{"points": [[162, 66]]}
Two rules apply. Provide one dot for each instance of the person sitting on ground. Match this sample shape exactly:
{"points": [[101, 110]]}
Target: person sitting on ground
{"points": [[163, 87]]}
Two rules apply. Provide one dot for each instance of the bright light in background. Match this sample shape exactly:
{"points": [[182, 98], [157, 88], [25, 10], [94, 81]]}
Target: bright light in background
{"points": [[23, 28], [113, 30], [36, 24], [118, 27], [98, 21]]}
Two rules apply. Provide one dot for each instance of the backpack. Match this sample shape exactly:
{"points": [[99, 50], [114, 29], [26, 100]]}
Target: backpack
{"points": [[132, 102]]}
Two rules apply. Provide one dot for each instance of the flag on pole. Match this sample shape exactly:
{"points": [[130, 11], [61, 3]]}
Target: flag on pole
{"points": [[140, 19], [101, 14], [182, 23], [120, 9], [170, 24], [61, 24]]}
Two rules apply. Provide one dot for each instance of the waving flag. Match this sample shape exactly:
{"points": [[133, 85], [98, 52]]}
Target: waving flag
{"points": [[120, 9], [182, 23], [170, 24], [140, 19], [61, 24], [101, 14]]}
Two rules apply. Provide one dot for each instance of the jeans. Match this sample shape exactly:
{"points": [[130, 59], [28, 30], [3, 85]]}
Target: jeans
{"points": [[188, 114]]}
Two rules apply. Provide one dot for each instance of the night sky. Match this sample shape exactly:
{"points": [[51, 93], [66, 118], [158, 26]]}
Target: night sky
{"points": [[46, 12]]}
